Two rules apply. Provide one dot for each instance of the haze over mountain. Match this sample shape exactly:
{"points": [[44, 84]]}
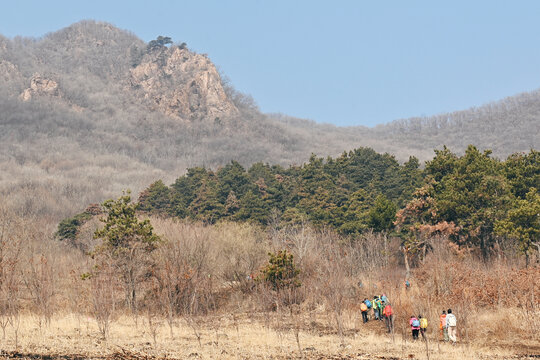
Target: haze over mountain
{"points": [[90, 110]]}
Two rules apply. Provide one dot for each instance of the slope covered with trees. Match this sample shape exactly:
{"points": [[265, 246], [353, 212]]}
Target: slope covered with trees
{"points": [[91, 109]]}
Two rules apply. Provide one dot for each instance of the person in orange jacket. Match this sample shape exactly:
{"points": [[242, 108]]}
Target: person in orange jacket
{"points": [[442, 325], [388, 314], [364, 309]]}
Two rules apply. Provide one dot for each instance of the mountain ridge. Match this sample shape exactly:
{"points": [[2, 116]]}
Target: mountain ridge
{"points": [[91, 109]]}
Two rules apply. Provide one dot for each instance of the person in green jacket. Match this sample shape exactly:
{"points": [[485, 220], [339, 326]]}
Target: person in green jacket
{"points": [[376, 312], [380, 306]]}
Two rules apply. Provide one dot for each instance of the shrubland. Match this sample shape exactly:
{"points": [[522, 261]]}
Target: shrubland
{"points": [[200, 286]]}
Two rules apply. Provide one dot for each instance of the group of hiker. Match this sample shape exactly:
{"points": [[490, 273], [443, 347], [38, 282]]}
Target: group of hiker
{"points": [[448, 324], [382, 310]]}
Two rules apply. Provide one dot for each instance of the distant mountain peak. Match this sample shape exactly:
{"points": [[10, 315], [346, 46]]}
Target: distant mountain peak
{"points": [[93, 31], [97, 59]]}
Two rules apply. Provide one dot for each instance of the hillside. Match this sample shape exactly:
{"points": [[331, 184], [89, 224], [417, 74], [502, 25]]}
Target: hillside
{"points": [[91, 109]]}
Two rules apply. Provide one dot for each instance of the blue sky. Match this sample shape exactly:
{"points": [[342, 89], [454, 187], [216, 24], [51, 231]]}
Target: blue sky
{"points": [[342, 62]]}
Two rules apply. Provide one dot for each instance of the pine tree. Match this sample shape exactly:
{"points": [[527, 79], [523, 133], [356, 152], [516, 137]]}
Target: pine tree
{"points": [[127, 242]]}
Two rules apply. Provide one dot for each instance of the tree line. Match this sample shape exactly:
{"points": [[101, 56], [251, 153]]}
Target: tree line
{"points": [[475, 199]]}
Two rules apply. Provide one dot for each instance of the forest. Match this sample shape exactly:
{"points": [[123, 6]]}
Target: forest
{"points": [[476, 200]]}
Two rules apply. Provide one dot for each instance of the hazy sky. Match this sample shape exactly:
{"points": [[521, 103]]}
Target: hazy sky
{"points": [[342, 62]]}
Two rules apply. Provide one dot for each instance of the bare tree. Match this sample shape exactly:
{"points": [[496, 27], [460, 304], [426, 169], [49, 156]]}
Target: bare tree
{"points": [[334, 284], [154, 313], [40, 282], [10, 258], [103, 285], [173, 277]]}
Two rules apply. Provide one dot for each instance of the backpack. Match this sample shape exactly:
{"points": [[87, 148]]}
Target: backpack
{"points": [[416, 323], [368, 304], [388, 310], [363, 307], [423, 323]]}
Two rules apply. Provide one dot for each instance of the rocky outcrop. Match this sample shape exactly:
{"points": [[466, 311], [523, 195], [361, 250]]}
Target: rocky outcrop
{"points": [[182, 84], [40, 86]]}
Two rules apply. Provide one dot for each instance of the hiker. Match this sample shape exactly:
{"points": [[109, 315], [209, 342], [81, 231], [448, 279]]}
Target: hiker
{"points": [[415, 327], [407, 285], [384, 299], [442, 325], [376, 312], [423, 326], [380, 306], [369, 305], [364, 310], [388, 313], [451, 324]]}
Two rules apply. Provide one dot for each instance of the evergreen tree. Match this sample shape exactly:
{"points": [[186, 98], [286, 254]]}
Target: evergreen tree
{"points": [[523, 172], [156, 198], [356, 212], [382, 215], [128, 242], [523, 223], [206, 205], [252, 208], [463, 195], [185, 190], [233, 177], [281, 272]]}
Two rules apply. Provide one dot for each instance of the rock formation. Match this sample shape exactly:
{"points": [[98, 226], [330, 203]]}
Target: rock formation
{"points": [[40, 86], [181, 84]]}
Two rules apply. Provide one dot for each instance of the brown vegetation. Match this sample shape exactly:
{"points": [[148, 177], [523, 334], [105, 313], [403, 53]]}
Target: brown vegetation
{"points": [[202, 297]]}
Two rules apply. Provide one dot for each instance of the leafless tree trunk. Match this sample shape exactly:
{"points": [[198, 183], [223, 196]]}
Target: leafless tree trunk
{"points": [[406, 261], [334, 284], [154, 321], [11, 235], [39, 280], [103, 296]]}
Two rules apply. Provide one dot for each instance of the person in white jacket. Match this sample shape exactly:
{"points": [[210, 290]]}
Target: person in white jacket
{"points": [[451, 323]]}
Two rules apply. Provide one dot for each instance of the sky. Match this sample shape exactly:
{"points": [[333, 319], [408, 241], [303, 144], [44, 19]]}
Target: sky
{"points": [[342, 62]]}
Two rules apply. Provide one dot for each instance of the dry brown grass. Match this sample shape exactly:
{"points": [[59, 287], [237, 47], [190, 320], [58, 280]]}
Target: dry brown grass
{"points": [[247, 338]]}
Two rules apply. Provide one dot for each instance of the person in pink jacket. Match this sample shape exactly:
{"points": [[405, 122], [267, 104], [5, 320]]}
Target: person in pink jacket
{"points": [[415, 327]]}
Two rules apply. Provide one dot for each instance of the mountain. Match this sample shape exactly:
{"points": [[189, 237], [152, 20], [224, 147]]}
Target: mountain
{"points": [[91, 109]]}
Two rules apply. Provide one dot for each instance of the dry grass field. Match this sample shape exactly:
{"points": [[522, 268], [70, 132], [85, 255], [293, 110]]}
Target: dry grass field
{"points": [[249, 336]]}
